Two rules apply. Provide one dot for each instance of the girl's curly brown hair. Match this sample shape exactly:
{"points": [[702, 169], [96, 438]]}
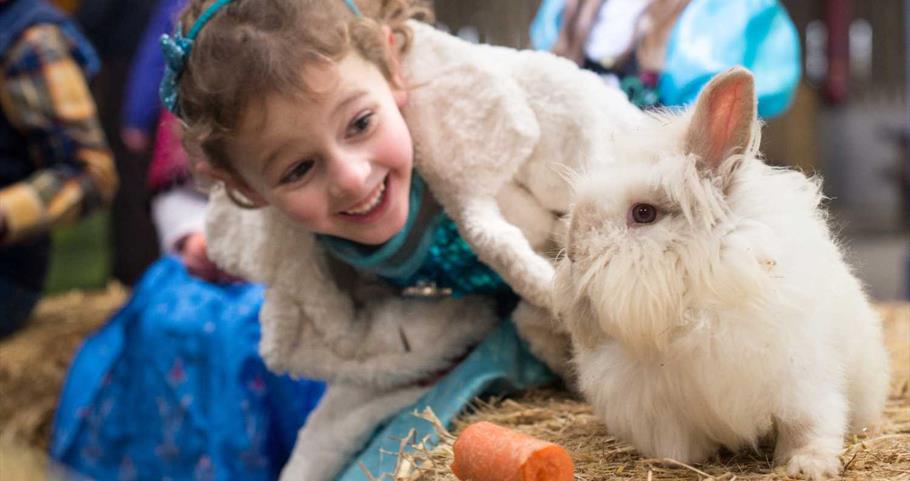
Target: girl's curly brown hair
{"points": [[252, 48]]}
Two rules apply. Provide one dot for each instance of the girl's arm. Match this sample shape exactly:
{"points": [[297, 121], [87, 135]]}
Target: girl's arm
{"points": [[496, 117], [473, 130]]}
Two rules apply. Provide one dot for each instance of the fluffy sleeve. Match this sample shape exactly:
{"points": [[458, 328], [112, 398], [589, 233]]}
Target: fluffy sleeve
{"points": [[473, 128]]}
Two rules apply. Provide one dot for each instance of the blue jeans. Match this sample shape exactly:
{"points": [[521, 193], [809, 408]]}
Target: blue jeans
{"points": [[16, 303]]}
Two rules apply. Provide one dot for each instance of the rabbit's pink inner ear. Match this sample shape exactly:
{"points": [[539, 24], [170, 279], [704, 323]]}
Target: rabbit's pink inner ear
{"points": [[722, 123]]}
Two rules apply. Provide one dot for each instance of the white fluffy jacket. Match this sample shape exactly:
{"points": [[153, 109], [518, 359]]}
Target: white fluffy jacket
{"points": [[494, 132]]}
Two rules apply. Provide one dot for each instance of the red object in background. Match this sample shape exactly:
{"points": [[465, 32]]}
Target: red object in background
{"points": [[837, 17], [169, 164]]}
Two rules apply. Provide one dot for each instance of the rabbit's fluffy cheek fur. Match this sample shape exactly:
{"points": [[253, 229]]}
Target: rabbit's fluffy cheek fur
{"points": [[647, 284]]}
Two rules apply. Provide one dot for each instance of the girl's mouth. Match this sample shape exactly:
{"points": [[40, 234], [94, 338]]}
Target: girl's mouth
{"points": [[372, 206]]}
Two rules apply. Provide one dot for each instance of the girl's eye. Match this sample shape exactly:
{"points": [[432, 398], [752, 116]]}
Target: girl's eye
{"points": [[297, 172], [360, 124], [643, 213]]}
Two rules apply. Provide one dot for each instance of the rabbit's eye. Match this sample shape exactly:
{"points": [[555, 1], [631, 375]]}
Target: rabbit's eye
{"points": [[643, 213]]}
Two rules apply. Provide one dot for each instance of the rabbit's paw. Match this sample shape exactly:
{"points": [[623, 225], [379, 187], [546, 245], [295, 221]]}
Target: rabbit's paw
{"points": [[813, 464], [538, 278]]}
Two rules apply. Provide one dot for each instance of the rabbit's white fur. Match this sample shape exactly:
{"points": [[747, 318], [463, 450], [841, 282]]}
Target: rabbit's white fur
{"points": [[731, 314]]}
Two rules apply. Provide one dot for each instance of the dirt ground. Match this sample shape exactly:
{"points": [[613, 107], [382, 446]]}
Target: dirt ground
{"points": [[34, 361]]}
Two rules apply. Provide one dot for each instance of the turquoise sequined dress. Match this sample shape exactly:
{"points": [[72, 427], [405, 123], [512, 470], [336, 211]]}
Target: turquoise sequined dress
{"points": [[429, 258]]}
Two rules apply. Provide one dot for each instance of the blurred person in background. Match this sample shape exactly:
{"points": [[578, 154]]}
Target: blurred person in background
{"points": [[662, 52], [55, 164], [114, 27], [141, 109], [177, 207]]}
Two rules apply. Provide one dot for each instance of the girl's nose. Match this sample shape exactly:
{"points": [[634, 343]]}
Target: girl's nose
{"points": [[349, 173]]}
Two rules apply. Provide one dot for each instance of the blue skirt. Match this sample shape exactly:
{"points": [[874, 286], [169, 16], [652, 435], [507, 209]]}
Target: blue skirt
{"points": [[172, 387]]}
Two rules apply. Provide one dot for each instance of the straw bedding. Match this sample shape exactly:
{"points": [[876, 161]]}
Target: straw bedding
{"points": [[33, 364], [558, 417]]}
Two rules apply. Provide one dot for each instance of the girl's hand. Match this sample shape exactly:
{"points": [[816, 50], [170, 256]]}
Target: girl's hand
{"points": [[193, 253]]}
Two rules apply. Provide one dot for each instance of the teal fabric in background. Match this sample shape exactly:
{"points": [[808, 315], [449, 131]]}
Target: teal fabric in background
{"points": [[545, 26], [709, 37], [713, 35]]}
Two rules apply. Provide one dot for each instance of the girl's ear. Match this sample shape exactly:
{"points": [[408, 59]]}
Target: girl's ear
{"points": [[232, 182], [397, 82], [721, 126], [389, 37]]}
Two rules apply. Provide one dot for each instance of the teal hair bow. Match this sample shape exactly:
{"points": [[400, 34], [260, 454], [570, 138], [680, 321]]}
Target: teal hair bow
{"points": [[177, 48]]}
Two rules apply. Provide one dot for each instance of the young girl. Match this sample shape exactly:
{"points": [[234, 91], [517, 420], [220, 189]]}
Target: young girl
{"points": [[390, 185]]}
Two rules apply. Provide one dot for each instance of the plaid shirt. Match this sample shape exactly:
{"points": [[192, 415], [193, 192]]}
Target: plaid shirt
{"points": [[44, 95]]}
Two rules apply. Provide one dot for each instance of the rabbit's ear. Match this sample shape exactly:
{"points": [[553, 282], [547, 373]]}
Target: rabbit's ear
{"points": [[722, 123]]}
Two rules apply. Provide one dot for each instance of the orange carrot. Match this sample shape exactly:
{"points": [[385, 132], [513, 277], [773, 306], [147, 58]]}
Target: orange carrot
{"points": [[487, 452]]}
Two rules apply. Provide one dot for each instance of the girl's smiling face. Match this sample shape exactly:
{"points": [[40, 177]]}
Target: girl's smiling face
{"points": [[338, 162]]}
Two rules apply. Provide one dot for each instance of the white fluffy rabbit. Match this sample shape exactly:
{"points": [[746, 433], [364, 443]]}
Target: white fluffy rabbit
{"points": [[707, 301]]}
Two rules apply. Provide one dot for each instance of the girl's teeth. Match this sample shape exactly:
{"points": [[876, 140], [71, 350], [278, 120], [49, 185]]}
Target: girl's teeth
{"points": [[369, 204]]}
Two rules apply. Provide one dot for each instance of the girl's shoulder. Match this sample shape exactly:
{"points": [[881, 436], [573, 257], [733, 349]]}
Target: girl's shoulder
{"points": [[440, 60], [434, 53], [261, 245]]}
